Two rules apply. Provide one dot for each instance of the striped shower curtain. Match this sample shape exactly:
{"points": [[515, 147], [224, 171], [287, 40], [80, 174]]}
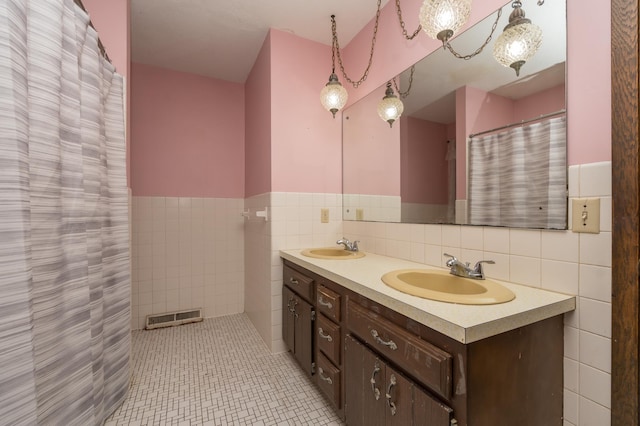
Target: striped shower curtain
{"points": [[64, 244], [518, 178]]}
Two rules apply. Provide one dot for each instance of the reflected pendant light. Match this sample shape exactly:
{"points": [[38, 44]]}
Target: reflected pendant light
{"points": [[333, 96], [519, 41], [441, 19], [390, 107]]}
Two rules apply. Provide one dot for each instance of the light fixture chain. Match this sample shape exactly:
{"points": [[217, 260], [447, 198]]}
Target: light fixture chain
{"points": [[336, 49], [448, 46], [404, 30], [406, 93]]}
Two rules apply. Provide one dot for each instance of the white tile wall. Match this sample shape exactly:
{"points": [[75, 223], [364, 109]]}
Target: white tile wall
{"points": [[294, 222], [186, 253], [560, 261]]}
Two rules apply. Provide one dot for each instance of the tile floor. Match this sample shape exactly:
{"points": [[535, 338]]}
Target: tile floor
{"points": [[217, 372]]}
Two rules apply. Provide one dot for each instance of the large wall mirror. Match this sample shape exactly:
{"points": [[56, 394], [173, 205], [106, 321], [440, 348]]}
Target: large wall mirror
{"points": [[476, 144]]}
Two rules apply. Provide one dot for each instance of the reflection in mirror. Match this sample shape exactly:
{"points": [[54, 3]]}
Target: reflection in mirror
{"points": [[416, 172]]}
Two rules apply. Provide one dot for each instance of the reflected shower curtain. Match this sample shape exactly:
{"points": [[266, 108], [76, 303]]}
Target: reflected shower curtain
{"points": [[518, 178], [64, 244]]}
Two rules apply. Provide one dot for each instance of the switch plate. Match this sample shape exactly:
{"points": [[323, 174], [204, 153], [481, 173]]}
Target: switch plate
{"points": [[324, 215], [359, 214], [585, 215]]}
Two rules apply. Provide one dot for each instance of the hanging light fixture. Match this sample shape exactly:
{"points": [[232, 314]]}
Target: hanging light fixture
{"points": [[519, 41], [333, 95], [390, 107], [440, 19]]}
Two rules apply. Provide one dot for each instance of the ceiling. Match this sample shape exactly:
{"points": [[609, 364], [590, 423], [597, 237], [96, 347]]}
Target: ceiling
{"points": [[221, 39]]}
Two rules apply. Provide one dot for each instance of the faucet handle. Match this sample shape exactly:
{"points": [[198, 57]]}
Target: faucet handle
{"points": [[451, 260], [478, 268], [354, 245]]}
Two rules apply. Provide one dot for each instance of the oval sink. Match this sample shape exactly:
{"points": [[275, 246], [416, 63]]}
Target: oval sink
{"points": [[444, 287], [335, 253]]}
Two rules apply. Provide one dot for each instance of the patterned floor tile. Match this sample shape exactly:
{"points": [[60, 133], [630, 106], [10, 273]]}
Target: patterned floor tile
{"points": [[216, 372]]}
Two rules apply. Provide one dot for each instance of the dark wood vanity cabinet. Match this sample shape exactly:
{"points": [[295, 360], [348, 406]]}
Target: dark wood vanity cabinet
{"points": [[379, 394], [298, 316], [378, 367]]}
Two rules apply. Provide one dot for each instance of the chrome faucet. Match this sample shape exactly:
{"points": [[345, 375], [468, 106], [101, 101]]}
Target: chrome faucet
{"points": [[348, 245], [464, 270]]}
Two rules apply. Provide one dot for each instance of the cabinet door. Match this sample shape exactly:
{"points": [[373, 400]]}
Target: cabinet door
{"points": [[364, 385], [398, 397], [303, 330], [429, 412], [288, 318]]}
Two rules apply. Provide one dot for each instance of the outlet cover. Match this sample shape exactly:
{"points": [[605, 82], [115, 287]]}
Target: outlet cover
{"points": [[324, 215], [359, 214], [585, 215]]}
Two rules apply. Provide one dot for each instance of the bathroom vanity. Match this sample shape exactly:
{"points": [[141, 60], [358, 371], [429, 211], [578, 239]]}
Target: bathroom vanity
{"points": [[384, 357]]}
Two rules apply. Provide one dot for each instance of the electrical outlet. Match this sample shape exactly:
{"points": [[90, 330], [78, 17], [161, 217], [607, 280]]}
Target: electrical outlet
{"points": [[585, 216], [359, 214], [324, 215]]}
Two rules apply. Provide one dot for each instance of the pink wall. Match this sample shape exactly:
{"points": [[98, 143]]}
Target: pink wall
{"points": [[545, 102], [589, 82], [306, 141], [111, 19], [424, 165], [258, 124], [184, 142], [372, 139]]}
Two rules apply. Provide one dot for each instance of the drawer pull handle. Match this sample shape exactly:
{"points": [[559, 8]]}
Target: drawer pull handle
{"points": [[324, 336], [325, 378], [391, 344], [391, 404], [374, 389], [293, 281], [322, 302]]}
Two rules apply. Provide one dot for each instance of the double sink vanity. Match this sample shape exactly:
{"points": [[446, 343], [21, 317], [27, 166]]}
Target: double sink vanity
{"points": [[390, 341]]}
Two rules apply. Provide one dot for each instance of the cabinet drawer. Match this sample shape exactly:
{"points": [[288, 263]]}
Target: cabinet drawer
{"points": [[328, 378], [425, 362], [300, 283], [328, 338], [328, 302]]}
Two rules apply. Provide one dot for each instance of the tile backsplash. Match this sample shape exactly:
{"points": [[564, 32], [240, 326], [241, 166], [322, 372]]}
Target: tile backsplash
{"points": [[186, 253]]}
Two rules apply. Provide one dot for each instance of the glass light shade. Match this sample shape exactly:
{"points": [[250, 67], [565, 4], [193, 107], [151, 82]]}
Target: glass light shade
{"points": [[390, 107], [333, 96], [441, 19], [517, 44]]}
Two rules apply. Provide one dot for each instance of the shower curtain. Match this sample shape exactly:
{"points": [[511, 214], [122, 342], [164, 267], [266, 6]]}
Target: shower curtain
{"points": [[64, 237], [518, 178]]}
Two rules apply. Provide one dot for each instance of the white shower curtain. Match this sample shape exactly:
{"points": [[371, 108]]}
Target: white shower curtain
{"points": [[64, 245], [518, 178]]}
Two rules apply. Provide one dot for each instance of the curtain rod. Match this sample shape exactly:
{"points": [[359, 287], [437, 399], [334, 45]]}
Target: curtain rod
{"points": [[103, 51], [520, 123]]}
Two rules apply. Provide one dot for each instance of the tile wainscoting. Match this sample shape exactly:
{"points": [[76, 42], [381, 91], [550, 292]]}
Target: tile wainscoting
{"points": [[187, 253]]}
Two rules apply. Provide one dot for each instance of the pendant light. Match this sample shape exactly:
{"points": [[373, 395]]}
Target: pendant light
{"points": [[333, 95], [390, 107], [519, 41], [441, 19]]}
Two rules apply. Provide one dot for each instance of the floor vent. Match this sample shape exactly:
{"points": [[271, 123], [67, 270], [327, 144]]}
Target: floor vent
{"points": [[173, 318]]}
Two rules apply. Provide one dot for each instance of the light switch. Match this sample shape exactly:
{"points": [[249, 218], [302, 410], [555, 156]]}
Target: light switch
{"points": [[585, 215], [359, 214], [324, 215]]}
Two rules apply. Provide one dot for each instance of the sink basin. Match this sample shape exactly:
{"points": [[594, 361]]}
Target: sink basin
{"points": [[335, 253], [444, 287]]}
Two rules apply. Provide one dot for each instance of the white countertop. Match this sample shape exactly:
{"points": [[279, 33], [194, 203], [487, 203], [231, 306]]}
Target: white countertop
{"points": [[464, 323]]}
